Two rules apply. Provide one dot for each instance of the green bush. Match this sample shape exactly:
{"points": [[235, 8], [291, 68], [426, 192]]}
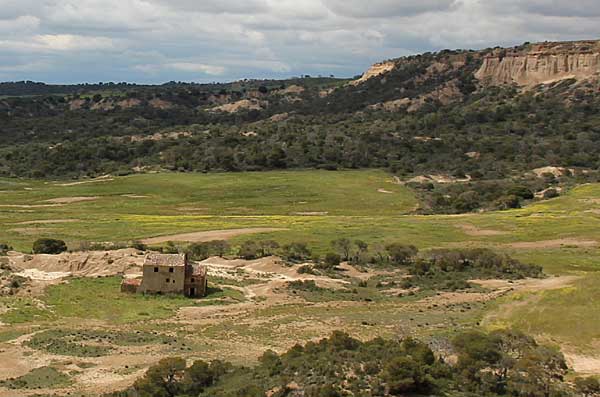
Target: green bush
{"points": [[4, 248], [401, 254], [331, 261], [49, 246], [296, 252]]}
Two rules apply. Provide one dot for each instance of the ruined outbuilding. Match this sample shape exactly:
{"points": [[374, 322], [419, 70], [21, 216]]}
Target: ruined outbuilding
{"points": [[169, 274]]}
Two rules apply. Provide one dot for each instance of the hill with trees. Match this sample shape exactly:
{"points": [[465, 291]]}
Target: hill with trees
{"points": [[486, 117]]}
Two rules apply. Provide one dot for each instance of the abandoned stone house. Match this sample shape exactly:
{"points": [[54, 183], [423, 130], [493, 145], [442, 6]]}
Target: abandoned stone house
{"points": [[169, 274]]}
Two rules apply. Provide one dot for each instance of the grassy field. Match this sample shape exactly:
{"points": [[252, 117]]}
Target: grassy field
{"points": [[311, 206], [100, 299], [150, 205]]}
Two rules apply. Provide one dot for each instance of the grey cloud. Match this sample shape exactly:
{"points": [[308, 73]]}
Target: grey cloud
{"points": [[386, 8], [217, 6], [562, 8], [545, 8], [10, 9], [206, 40]]}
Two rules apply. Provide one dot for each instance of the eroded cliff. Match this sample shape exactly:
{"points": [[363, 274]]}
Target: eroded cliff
{"points": [[541, 63]]}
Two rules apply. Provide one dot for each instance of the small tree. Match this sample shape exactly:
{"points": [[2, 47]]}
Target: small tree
{"points": [[4, 248], [401, 254], [587, 386], [198, 251], [170, 248], [49, 246], [507, 202], [296, 252], [343, 246], [551, 193], [360, 255], [138, 245], [249, 250], [268, 247], [219, 247], [405, 375], [331, 261], [162, 379]]}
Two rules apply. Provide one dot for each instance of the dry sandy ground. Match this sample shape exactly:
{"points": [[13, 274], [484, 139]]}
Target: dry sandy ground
{"points": [[48, 222], [105, 178], [532, 285], [472, 230], [197, 237], [98, 376], [83, 264], [585, 365], [70, 200], [109, 373]]}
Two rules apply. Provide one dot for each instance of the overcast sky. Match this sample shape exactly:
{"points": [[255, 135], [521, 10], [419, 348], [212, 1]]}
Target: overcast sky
{"points": [[153, 41]]}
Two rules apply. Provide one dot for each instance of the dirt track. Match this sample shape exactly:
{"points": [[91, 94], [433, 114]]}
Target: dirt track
{"points": [[212, 235]]}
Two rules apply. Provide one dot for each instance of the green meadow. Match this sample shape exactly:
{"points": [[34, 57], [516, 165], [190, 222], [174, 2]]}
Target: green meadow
{"points": [[314, 207], [311, 206]]}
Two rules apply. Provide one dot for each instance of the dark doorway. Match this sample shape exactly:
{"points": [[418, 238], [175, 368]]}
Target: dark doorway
{"points": [[192, 291]]}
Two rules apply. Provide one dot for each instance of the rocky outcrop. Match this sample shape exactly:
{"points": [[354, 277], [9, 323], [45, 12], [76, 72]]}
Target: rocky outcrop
{"points": [[244, 104], [445, 94], [542, 63], [376, 70]]}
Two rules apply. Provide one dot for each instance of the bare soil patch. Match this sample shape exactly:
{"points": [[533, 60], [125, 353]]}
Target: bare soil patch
{"points": [[530, 284], [384, 191], [29, 205], [556, 171], [553, 243], [209, 235], [105, 178], [82, 264], [29, 231], [35, 274], [192, 209], [70, 200], [48, 221], [472, 230], [582, 364]]}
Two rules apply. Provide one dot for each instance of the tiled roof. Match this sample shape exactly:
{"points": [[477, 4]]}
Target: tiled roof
{"points": [[165, 260], [133, 281], [199, 270]]}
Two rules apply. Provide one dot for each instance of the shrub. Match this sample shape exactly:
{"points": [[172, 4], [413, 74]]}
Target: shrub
{"points": [[332, 261], [296, 252], [521, 191], [4, 248], [198, 251], [507, 202], [401, 254], [587, 386], [551, 193], [138, 245], [305, 269], [49, 246], [249, 250], [343, 246], [201, 251]]}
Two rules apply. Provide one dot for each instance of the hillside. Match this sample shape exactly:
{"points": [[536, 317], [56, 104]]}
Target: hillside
{"points": [[491, 114]]}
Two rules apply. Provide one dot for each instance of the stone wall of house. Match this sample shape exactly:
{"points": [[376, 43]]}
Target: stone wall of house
{"points": [[163, 279]]}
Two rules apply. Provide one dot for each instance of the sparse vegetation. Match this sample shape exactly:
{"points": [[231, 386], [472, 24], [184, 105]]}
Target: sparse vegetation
{"points": [[39, 378], [488, 365]]}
